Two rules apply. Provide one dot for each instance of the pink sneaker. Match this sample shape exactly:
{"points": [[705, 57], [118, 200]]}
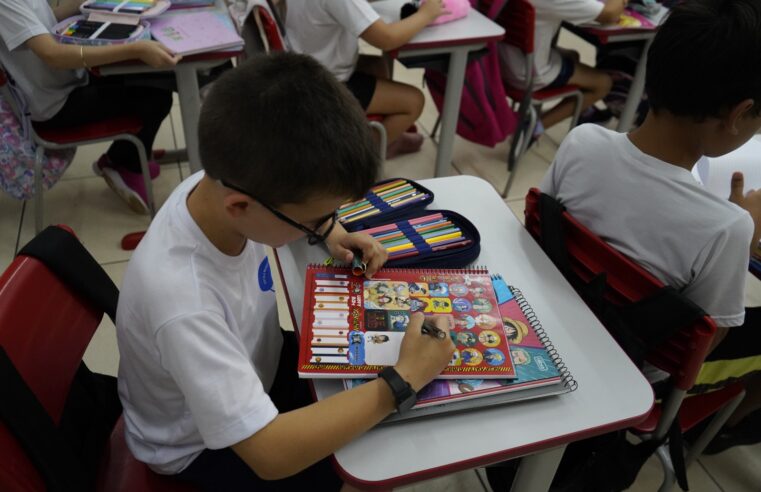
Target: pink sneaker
{"points": [[128, 185], [154, 168]]}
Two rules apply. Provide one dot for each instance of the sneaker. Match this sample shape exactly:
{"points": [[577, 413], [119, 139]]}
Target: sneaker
{"points": [[128, 185], [154, 168]]}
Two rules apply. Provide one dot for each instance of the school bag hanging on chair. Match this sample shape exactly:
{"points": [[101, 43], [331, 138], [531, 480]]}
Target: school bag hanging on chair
{"points": [[17, 149], [485, 117]]}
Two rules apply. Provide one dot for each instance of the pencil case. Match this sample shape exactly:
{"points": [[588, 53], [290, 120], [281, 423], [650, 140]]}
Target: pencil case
{"points": [[63, 32], [412, 234]]}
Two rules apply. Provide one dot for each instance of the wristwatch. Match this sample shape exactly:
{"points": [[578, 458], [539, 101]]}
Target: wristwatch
{"points": [[404, 395]]}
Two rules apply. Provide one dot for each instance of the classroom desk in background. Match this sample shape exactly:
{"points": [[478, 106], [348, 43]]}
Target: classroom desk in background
{"points": [[600, 37], [186, 74], [612, 394], [455, 39]]}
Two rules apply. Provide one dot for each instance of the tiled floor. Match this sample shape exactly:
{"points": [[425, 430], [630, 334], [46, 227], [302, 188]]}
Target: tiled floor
{"points": [[83, 201]]}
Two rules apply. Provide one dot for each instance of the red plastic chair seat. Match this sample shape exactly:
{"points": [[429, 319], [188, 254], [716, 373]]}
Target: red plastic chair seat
{"points": [[542, 94], [90, 131], [694, 409], [121, 472]]}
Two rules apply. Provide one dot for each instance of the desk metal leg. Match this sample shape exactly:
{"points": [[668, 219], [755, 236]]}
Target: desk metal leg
{"points": [[537, 471], [190, 106], [450, 111], [635, 91]]}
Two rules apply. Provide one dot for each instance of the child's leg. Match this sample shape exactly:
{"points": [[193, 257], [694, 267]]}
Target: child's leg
{"points": [[372, 65], [400, 104], [595, 84]]}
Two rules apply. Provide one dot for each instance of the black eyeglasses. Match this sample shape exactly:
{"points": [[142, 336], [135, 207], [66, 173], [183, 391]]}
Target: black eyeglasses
{"points": [[313, 237]]}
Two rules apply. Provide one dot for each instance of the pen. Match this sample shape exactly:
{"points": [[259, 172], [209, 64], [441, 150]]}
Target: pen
{"points": [[429, 328], [358, 267]]}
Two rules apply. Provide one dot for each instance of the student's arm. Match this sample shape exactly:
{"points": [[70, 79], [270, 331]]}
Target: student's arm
{"points": [[612, 11], [750, 201], [391, 36], [69, 56], [67, 8], [295, 440]]}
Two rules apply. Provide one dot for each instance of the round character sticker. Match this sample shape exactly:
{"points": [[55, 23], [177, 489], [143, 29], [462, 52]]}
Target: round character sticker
{"points": [[489, 338], [471, 357], [515, 330], [477, 291], [461, 305], [486, 321], [494, 357], [466, 338], [482, 305], [520, 356], [465, 321]]}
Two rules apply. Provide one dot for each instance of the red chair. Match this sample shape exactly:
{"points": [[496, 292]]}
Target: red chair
{"points": [[518, 20], [681, 356], [45, 336], [117, 128], [264, 25]]}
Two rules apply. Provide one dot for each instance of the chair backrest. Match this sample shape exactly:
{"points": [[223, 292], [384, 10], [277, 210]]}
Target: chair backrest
{"points": [[518, 18], [627, 282], [45, 329]]}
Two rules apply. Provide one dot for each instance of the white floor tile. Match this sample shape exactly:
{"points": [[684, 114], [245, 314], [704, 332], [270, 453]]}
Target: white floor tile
{"points": [[651, 475], [419, 165], [457, 482], [517, 206], [102, 354], [96, 214], [737, 469], [179, 133]]}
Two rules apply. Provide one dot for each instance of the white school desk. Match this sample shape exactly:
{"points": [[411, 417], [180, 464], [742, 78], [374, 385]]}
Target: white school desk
{"points": [[186, 73], [612, 394], [600, 37], [456, 39]]}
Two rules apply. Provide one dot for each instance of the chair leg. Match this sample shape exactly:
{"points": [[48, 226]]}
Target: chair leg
{"points": [[716, 423], [669, 477], [141, 153], [382, 138], [520, 143], [39, 155], [435, 128], [577, 110]]}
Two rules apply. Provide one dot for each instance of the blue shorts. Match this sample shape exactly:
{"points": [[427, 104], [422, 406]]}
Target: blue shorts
{"points": [[566, 71]]}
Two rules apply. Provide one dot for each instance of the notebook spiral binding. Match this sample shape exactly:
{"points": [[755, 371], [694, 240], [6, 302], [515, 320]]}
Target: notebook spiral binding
{"points": [[473, 270], [565, 373]]}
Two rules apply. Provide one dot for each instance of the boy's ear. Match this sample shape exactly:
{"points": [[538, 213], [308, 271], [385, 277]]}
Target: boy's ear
{"points": [[236, 204], [737, 113]]}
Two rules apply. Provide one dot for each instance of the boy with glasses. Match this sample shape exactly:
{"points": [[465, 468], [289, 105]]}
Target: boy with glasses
{"points": [[207, 380]]}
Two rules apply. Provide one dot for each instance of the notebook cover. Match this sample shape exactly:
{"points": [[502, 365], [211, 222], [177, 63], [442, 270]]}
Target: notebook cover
{"points": [[353, 327], [190, 32]]}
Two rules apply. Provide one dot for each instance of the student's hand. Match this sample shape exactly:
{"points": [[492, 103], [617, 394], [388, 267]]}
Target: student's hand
{"points": [[432, 9], [423, 357], [155, 54], [373, 253], [750, 201]]}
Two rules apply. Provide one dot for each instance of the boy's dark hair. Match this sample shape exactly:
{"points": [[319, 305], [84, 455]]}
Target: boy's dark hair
{"points": [[281, 127], [706, 58]]}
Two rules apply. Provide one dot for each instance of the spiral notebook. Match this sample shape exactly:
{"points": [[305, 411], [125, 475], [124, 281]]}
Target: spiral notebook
{"points": [[540, 370], [352, 327]]}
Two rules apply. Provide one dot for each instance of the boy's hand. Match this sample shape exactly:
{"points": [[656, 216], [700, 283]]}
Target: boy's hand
{"points": [[423, 357], [373, 253], [156, 55], [750, 201], [432, 9]]}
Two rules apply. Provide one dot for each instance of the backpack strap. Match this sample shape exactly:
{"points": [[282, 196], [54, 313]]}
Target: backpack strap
{"points": [[62, 252], [35, 431]]}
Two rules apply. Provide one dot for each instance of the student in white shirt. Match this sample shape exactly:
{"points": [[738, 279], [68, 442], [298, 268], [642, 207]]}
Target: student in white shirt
{"points": [[329, 31], [637, 193], [207, 379], [54, 81], [555, 67]]}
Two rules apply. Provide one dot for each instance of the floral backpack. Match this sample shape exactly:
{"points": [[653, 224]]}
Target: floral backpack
{"points": [[17, 150]]}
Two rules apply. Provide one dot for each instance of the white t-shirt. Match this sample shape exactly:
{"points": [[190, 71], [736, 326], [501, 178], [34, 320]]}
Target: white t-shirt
{"points": [[550, 14], [198, 338], [44, 88], [658, 215], [329, 31]]}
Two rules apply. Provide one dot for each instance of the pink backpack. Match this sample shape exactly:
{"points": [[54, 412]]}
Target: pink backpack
{"points": [[485, 116]]}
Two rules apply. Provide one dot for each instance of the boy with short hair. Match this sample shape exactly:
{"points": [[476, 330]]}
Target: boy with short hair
{"points": [[636, 191], [207, 394]]}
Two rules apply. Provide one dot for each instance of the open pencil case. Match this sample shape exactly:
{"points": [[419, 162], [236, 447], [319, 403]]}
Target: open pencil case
{"points": [[394, 212], [107, 22]]}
